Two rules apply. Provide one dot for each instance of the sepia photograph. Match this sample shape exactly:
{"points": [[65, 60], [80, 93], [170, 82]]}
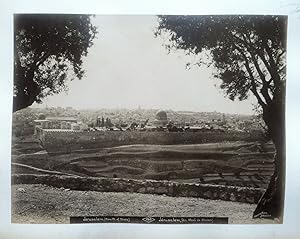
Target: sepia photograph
{"points": [[153, 119]]}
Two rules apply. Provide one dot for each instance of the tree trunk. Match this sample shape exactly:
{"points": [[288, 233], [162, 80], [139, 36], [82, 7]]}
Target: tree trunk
{"points": [[272, 201], [27, 89], [21, 102]]}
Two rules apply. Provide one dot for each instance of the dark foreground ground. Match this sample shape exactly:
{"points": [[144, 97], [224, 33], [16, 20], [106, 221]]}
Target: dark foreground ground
{"points": [[44, 204]]}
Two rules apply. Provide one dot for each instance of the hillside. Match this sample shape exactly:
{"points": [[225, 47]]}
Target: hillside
{"points": [[228, 163]]}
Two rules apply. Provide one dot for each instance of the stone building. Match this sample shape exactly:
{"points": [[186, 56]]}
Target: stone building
{"points": [[63, 123]]}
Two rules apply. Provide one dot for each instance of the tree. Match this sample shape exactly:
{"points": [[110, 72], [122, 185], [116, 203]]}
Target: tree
{"points": [[48, 49], [102, 122], [248, 54], [108, 123]]}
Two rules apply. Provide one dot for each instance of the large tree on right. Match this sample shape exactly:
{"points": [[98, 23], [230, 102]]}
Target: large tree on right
{"points": [[248, 54]]}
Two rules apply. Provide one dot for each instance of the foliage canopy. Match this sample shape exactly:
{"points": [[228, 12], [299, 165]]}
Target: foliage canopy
{"points": [[248, 52], [48, 49]]}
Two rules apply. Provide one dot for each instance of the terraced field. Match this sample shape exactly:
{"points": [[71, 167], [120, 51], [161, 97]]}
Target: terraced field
{"points": [[227, 163]]}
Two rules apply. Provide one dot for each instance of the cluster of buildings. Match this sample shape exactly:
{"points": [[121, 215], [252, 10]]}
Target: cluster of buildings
{"points": [[60, 123], [161, 122]]}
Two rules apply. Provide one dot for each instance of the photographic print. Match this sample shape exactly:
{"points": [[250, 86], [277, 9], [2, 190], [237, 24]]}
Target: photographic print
{"points": [[148, 119]]}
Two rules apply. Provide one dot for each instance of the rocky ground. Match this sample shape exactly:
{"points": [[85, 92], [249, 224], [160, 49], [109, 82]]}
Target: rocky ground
{"points": [[44, 204]]}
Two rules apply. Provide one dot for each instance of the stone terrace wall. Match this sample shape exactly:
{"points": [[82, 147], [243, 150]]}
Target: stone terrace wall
{"points": [[206, 191], [68, 141]]}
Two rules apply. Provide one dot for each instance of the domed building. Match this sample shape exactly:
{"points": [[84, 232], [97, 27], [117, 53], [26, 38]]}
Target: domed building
{"points": [[161, 119]]}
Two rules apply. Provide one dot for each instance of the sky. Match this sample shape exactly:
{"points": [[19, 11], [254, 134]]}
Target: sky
{"points": [[127, 67]]}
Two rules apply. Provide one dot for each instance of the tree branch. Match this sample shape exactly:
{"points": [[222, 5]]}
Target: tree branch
{"points": [[278, 56], [266, 84], [252, 79], [274, 73], [261, 54], [42, 59]]}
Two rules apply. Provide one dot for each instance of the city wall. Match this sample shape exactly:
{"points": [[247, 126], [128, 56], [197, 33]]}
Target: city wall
{"points": [[68, 141], [206, 191]]}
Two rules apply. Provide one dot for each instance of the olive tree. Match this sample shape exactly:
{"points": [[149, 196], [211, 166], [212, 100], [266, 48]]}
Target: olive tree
{"points": [[248, 54], [48, 50]]}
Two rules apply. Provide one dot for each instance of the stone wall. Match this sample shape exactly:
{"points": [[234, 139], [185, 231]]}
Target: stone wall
{"points": [[206, 191], [68, 141]]}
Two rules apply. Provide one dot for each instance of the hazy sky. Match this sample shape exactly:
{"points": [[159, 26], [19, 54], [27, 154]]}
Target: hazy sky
{"points": [[128, 67]]}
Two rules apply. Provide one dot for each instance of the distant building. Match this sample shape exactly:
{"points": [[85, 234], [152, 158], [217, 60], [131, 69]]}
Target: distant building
{"points": [[65, 123], [80, 126], [161, 119], [62, 119], [40, 124], [75, 126]]}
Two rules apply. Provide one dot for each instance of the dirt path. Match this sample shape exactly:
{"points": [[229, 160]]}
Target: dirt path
{"points": [[44, 204]]}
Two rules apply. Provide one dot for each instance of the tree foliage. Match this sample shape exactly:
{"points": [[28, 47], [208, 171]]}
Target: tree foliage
{"points": [[48, 49], [248, 54]]}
